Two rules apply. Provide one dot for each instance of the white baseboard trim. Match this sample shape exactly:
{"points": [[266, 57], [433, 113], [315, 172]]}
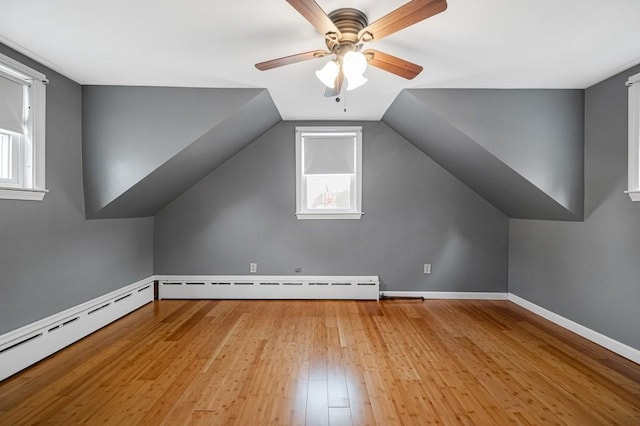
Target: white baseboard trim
{"points": [[268, 287], [598, 338], [451, 295], [27, 345]]}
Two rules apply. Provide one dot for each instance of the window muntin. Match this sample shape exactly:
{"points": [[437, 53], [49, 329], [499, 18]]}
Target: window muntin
{"points": [[22, 131], [328, 172]]}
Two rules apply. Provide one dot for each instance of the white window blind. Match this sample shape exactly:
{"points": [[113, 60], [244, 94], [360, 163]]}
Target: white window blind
{"points": [[329, 155], [12, 99]]}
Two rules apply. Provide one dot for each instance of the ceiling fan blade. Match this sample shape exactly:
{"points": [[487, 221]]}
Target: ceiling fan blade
{"points": [[337, 86], [292, 59], [315, 15], [392, 64], [403, 17]]}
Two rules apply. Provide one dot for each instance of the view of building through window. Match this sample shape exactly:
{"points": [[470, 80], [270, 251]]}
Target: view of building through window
{"points": [[329, 191]]}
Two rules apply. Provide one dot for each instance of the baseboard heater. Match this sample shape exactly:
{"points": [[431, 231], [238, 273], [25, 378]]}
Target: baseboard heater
{"points": [[268, 287], [29, 344]]}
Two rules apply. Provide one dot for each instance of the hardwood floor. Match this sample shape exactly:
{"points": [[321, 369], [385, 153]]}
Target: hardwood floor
{"points": [[327, 362]]}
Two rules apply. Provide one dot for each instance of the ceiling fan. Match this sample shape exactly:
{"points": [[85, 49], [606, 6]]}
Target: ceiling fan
{"points": [[346, 30]]}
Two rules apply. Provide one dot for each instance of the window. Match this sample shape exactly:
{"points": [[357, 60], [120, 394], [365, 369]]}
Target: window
{"points": [[634, 137], [22, 121], [328, 172]]}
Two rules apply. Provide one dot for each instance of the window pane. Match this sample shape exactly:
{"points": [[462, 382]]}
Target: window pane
{"points": [[328, 191], [6, 157]]}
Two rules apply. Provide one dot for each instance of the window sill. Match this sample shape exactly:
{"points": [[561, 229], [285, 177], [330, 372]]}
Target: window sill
{"points": [[634, 195], [22, 194], [305, 216]]}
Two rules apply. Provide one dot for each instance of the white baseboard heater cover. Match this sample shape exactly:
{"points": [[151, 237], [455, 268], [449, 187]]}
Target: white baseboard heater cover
{"points": [[269, 287], [29, 344]]}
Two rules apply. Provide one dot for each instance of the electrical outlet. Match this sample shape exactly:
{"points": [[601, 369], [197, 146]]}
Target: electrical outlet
{"points": [[253, 267], [427, 268], [298, 270]]}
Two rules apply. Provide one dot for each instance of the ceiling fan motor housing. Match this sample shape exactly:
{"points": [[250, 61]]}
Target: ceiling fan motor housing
{"points": [[349, 21]]}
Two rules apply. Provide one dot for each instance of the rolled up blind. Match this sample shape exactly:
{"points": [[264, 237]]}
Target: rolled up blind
{"points": [[333, 155], [11, 103]]}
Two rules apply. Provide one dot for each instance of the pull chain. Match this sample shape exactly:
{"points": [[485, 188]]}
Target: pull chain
{"points": [[345, 101]]}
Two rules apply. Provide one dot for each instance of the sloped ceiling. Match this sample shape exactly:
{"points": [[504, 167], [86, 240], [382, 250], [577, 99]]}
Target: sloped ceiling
{"points": [[143, 146]]}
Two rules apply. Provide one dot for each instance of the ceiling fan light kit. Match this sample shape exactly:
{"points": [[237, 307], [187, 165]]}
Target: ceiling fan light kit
{"points": [[353, 66], [346, 31]]}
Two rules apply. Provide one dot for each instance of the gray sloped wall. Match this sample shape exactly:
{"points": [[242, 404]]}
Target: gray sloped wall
{"points": [[144, 146], [415, 212], [589, 272], [522, 150], [51, 258]]}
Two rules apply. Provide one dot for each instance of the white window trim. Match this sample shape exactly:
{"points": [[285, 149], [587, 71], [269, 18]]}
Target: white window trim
{"points": [[633, 188], [357, 213], [22, 194], [33, 181]]}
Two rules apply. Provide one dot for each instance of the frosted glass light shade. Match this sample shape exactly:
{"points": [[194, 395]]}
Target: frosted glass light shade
{"points": [[354, 64], [327, 75], [354, 82]]}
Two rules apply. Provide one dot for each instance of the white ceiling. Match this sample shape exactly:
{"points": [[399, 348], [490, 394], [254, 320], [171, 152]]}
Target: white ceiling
{"points": [[207, 43]]}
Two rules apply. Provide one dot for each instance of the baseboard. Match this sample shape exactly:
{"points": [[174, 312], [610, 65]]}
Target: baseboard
{"points": [[598, 338], [268, 287], [462, 295], [27, 345]]}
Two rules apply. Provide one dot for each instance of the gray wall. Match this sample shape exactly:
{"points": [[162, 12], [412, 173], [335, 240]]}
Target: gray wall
{"points": [[151, 134], [539, 133], [144, 146], [130, 131], [415, 213], [589, 272], [520, 149], [51, 258]]}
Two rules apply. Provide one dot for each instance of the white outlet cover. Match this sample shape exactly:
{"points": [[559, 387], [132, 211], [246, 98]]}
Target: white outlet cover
{"points": [[253, 267], [427, 268]]}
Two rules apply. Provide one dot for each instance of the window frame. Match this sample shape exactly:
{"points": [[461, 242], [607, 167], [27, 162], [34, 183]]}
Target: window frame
{"points": [[302, 212], [31, 181], [633, 188]]}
